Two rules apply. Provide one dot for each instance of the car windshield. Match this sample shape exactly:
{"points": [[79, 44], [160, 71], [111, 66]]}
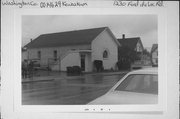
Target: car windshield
{"points": [[140, 83]]}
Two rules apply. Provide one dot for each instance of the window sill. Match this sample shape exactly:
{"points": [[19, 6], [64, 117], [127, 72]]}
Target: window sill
{"points": [[105, 58]]}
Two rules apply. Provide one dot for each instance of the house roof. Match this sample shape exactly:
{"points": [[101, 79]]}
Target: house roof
{"points": [[154, 47], [130, 42], [23, 49], [77, 37]]}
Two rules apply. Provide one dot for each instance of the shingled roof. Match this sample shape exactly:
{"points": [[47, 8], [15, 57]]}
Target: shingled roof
{"points": [[130, 42], [77, 37]]}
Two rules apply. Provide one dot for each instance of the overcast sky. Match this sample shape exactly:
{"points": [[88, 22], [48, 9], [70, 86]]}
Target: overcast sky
{"points": [[143, 26]]}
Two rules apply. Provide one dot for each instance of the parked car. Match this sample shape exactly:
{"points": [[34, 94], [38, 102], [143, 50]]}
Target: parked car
{"points": [[136, 87]]}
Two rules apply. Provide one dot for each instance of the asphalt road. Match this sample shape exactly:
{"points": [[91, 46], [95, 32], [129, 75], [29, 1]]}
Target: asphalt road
{"points": [[68, 91]]}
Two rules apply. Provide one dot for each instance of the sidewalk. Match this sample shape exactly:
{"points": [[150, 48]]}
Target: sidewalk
{"points": [[108, 73], [64, 76], [38, 79]]}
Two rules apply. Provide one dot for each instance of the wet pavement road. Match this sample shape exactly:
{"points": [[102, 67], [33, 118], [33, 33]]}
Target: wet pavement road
{"points": [[68, 91]]}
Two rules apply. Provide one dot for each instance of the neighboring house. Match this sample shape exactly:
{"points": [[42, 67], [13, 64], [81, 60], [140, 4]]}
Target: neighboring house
{"points": [[132, 43], [154, 54], [136, 45], [75, 48], [146, 59]]}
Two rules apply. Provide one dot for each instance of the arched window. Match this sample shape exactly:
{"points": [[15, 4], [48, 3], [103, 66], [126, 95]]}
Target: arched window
{"points": [[105, 54]]}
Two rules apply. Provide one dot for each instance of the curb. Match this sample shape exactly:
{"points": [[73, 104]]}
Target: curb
{"points": [[110, 74], [72, 77], [32, 81]]}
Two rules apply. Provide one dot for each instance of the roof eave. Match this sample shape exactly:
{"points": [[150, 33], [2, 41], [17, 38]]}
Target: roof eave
{"points": [[57, 46], [115, 39]]}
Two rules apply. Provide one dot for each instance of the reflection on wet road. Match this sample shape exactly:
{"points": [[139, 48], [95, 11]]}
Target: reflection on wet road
{"points": [[69, 91]]}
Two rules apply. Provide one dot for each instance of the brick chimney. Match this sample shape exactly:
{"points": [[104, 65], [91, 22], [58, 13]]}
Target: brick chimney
{"points": [[123, 36]]}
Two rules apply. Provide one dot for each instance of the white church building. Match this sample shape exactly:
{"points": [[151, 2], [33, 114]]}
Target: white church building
{"points": [[75, 48]]}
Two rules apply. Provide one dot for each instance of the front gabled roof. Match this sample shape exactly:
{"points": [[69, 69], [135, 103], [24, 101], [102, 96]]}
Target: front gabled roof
{"points": [[154, 47], [77, 37], [130, 42]]}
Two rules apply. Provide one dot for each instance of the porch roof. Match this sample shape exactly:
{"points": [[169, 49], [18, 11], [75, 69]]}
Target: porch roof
{"points": [[83, 51]]}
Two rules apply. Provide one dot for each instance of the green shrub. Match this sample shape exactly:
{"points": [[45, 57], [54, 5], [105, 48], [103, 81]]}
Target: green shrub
{"points": [[74, 70], [98, 64], [123, 65]]}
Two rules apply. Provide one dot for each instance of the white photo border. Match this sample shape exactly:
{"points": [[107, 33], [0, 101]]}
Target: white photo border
{"points": [[162, 55]]}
